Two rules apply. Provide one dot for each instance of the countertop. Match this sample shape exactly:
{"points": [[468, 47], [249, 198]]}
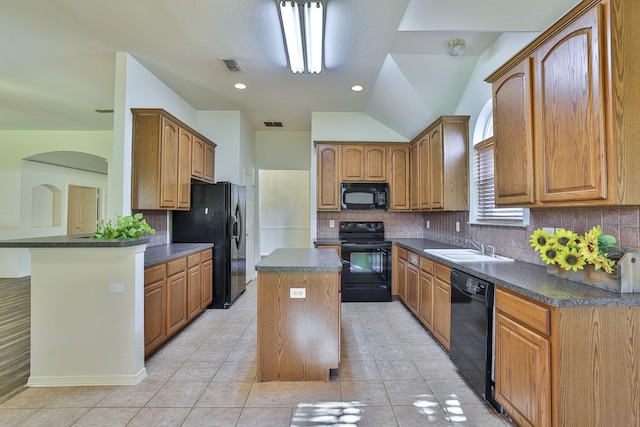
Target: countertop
{"points": [[75, 241], [157, 254], [528, 279], [301, 260]]}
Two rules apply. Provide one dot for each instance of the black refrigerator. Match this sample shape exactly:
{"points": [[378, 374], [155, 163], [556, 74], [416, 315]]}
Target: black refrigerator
{"points": [[217, 216]]}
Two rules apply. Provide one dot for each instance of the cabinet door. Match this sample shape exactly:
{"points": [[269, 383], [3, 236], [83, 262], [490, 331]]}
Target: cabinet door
{"points": [[402, 279], [352, 158], [169, 165], [197, 157], [184, 170], [522, 359], [442, 305], [209, 163], [414, 182], [398, 178], [436, 168], [155, 308], [176, 295], [513, 136], [328, 179], [194, 286], [375, 163], [207, 282], [413, 280], [569, 105], [426, 294], [424, 180]]}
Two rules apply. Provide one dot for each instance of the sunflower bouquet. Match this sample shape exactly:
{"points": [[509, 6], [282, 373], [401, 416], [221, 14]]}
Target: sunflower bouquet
{"points": [[572, 251]]}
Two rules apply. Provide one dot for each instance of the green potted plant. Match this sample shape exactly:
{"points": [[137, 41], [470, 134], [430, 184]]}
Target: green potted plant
{"points": [[127, 227]]}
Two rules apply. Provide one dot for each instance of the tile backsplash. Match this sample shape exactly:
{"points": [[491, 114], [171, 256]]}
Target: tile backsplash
{"points": [[158, 220], [623, 223]]}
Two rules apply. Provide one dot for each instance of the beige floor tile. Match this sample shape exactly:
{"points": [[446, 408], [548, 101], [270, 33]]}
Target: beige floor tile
{"points": [[175, 353], [276, 394], [242, 370], [426, 351], [265, 417], [412, 416], [225, 394], [408, 392], [377, 416], [166, 417], [327, 414], [359, 370], [365, 392], [13, 417], [437, 368], [317, 391], [48, 417], [451, 390], [211, 353], [178, 394], [212, 417], [107, 417], [398, 369], [34, 397], [80, 397], [476, 415], [196, 371], [353, 351], [129, 396], [390, 352], [159, 370]]}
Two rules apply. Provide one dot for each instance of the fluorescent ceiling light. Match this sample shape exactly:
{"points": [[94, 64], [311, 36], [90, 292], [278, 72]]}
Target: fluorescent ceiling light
{"points": [[303, 27]]}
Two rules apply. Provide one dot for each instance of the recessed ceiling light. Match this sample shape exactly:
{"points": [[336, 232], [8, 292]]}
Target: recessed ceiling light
{"points": [[240, 86], [357, 88]]}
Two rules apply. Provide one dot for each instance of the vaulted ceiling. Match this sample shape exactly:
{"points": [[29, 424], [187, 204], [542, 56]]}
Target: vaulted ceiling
{"points": [[58, 57]]}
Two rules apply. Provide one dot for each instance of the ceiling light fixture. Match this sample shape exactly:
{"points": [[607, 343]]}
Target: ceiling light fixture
{"points": [[240, 86], [303, 29], [357, 88], [456, 47]]}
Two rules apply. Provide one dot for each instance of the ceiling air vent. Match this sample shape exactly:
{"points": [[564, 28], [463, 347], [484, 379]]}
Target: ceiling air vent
{"points": [[273, 124], [232, 65]]}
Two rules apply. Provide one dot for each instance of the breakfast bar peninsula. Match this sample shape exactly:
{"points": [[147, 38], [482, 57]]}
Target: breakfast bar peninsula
{"points": [[298, 314]]}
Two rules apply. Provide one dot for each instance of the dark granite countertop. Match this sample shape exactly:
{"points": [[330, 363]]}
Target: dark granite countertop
{"points": [[529, 280], [75, 241], [301, 260], [157, 254]]}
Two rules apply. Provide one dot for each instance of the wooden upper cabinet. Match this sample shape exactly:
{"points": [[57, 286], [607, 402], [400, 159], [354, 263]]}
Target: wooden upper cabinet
{"points": [[398, 175], [580, 114], [363, 163], [513, 137], [439, 173], [569, 107], [166, 154], [328, 181]]}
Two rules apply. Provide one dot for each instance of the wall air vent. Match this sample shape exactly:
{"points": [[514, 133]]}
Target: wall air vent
{"points": [[232, 65], [273, 124]]}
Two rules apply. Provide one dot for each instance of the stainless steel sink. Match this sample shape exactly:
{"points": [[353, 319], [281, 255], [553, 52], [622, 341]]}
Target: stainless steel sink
{"points": [[466, 255]]}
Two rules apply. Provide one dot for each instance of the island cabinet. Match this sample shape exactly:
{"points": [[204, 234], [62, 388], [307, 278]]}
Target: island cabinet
{"points": [[439, 165], [564, 108], [328, 177], [362, 163], [298, 315], [398, 177], [566, 366], [163, 152], [175, 292]]}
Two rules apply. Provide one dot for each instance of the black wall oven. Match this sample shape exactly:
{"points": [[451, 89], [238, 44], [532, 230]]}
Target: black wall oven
{"points": [[366, 262]]}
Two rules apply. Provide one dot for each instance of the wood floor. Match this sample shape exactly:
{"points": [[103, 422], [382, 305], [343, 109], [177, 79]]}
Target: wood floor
{"points": [[15, 316]]}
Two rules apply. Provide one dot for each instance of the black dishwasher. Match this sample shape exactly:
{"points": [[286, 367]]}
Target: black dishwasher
{"points": [[471, 340]]}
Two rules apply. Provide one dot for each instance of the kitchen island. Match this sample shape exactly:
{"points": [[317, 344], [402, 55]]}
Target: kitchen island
{"points": [[298, 314]]}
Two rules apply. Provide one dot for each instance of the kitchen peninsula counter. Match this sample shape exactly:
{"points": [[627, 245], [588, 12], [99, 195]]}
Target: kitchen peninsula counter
{"points": [[298, 314]]}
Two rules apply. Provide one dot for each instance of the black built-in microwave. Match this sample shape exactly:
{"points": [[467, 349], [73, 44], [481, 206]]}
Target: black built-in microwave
{"points": [[364, 195]]}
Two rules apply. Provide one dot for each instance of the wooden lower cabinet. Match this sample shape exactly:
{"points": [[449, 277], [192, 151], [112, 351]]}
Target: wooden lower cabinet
{"points": [[413, 282], [442, 305], [175, 292], [426, 295], [338, 248], [401, 274]]}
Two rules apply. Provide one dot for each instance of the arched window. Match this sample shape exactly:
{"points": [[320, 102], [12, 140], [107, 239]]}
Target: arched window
{"points": [[483, 207]]}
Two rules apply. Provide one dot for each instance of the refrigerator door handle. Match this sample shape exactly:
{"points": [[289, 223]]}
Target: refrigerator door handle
{"points": [[234, 227]]}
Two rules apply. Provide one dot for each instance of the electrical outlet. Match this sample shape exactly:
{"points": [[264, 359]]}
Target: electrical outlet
{"points": [[332, 223], [297, 292], [458, 226], [428, 224], [116, 288], [549, 230]]}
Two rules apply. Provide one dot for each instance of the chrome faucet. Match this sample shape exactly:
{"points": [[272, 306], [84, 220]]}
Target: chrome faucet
{"points": [[477, 245]]}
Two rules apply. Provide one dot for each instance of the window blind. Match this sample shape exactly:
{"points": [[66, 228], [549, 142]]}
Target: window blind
{"points": [[486, 203]]}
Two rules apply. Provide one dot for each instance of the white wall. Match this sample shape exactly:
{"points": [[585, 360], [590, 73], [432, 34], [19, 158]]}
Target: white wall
{"points": [[283, 150]]}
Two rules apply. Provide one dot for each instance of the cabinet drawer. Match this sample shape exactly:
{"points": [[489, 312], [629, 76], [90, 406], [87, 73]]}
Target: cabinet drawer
{"points": [[413, 258], [524, 311], [443, 272], [426, 265], [402, 253], [154, 274], [193, 259], [176, 266], [206, 254]]}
